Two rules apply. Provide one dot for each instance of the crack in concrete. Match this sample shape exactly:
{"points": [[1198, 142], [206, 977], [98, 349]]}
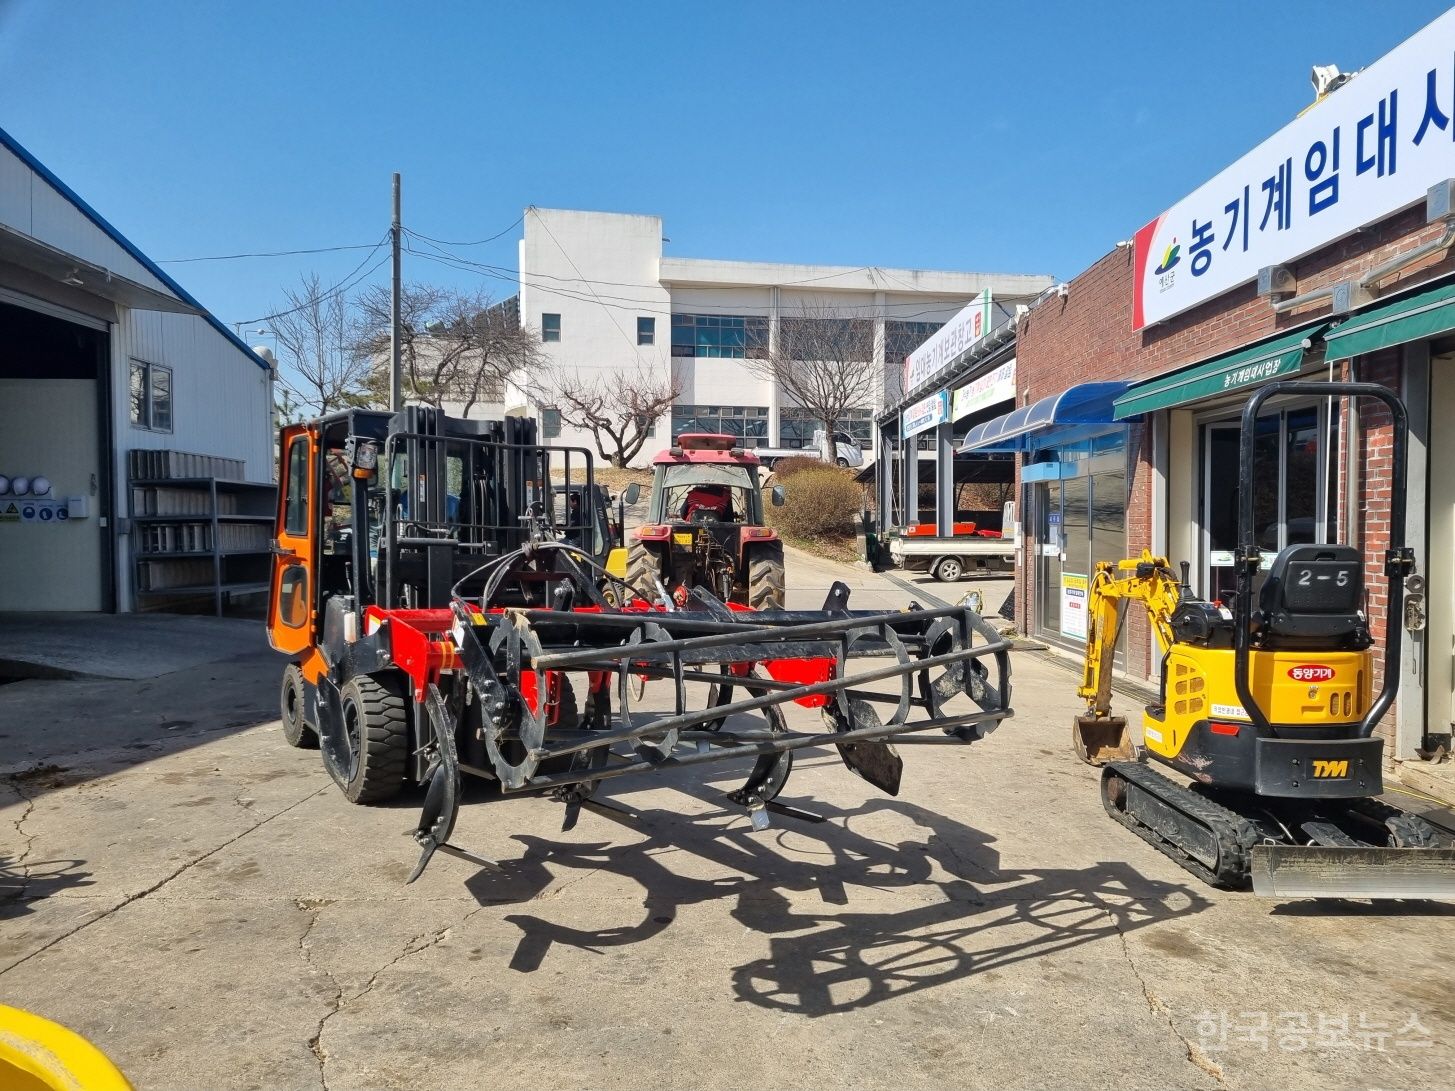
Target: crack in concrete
{"points": [[1195, 1054], [334, 1002], [161, 882], [412, 947], [28, 838]]}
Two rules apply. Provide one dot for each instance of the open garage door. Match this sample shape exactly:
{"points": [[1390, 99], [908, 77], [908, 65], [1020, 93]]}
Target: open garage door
{"points": [[53, 553]]}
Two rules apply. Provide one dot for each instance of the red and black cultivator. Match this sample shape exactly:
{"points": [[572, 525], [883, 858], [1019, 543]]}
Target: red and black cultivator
{"points": [[468, 636]]}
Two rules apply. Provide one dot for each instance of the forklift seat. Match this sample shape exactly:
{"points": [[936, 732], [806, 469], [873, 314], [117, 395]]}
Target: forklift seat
{"points": [[1313, 598]]}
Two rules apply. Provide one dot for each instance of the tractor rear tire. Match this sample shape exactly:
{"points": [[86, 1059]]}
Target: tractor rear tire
{"points": [[766, 581], [296, 731], [643, 570], [377, 728]]}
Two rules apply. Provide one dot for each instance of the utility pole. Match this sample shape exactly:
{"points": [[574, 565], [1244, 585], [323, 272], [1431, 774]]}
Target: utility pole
{"points": [[396, 379]]}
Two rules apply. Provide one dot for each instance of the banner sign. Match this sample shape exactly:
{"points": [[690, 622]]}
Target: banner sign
{"points": [[924, 415], [991, 388], [1073, 605], [948, 342], [1366, 151]]}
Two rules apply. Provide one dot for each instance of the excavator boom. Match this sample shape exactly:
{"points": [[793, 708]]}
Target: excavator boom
{"points": [[1099, 736]]}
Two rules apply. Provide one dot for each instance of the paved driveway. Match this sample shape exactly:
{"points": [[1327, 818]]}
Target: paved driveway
{"points": [[198, 899]]}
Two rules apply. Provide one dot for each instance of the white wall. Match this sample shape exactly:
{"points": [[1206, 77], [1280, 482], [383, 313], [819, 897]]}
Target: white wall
{"points": [[599, 272], [221, 404]]}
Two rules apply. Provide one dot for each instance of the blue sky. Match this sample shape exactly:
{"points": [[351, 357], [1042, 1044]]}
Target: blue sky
{"points": [[1001, 137]]}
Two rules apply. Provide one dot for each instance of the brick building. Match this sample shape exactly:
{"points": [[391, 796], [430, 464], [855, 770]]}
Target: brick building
{"points": [[1162, 342], [1324, 253]]}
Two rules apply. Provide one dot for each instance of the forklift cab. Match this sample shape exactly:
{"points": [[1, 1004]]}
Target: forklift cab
{"points": [[398, 510]]}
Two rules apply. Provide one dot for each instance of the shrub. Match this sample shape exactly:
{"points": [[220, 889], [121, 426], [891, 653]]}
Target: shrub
{"points": [[819, 502], [787, 467]]}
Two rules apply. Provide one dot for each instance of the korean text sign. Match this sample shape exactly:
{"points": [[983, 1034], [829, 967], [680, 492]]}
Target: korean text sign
{"points": [[1373, 147], [948, 342]]}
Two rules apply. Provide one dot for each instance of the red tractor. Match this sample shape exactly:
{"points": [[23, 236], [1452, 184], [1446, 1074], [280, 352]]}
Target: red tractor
{"points": [[705, 527]]}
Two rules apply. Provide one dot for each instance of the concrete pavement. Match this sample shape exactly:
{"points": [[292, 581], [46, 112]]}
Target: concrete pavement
{"points": [[203, 904]]}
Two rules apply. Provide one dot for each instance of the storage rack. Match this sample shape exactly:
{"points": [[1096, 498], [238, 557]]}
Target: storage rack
{"points": [[197, 529]]}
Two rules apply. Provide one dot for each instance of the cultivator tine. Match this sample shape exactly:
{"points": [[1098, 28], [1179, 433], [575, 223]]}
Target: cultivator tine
{"points": [[442, 797]]}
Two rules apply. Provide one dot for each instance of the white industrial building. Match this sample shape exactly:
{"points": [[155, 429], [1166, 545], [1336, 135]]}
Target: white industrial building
{"points": [[102, 354], [606, 299]]}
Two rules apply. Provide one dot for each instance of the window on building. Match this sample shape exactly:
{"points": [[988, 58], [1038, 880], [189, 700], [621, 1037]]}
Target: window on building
{"points": [[902, 338], [839, 340], [731, 337], [749, 423], [550, 423], [797, 426], [646, 331], [151, 396], [550, 327]]}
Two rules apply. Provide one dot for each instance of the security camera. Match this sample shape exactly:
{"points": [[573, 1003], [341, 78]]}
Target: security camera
{"points": [[1327, 79], [1063, 290]]}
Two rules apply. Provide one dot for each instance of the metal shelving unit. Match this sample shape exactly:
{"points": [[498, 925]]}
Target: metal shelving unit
{"points": [[226, 530]]}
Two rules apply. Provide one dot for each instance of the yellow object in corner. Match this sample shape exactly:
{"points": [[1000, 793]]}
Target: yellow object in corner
{"points": [[616, 562], [38, 1055]]}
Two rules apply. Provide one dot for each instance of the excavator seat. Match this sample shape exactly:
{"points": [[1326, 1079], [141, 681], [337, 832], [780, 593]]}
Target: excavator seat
{"points": [[1312, 598]]}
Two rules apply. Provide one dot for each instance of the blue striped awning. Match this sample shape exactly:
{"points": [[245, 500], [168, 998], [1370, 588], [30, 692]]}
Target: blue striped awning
{"points": [[1087, 403]]}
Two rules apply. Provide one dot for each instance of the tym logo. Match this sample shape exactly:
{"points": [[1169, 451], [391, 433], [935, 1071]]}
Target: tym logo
{"points": [[1325, 770]]}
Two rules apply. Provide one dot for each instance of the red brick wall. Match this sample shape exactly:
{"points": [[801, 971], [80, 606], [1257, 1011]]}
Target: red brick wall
{"points": [[1087, 336]]}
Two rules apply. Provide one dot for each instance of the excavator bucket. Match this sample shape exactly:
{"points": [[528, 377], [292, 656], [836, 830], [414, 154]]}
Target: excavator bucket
{"points": [[1100, 739], [1320, 871]]}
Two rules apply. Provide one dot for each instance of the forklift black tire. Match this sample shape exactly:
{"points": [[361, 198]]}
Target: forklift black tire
{"points": [[377, 729], [766, 582], [643, 570], [296, 731]]}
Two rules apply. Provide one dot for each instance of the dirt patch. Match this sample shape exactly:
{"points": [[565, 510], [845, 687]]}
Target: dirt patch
{"points": [[45, 778]]}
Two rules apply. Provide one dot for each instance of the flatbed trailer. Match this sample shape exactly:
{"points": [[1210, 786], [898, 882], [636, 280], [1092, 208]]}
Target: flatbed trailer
{"points": [[955, 558]]}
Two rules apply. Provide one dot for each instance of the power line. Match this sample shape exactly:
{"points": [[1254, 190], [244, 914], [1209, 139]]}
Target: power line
{"points": [[266, 254], [476, 242], [342, 286]]}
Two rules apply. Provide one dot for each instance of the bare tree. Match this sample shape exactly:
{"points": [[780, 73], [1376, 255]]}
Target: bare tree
{"points": [[317, 348], [823, 361], [456, 347], [619, 409]]}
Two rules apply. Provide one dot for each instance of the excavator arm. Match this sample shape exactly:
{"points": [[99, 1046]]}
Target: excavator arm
{"points": [[1099, 736]]}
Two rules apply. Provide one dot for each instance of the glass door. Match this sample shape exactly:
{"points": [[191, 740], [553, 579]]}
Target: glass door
{"points": [[1048, 556], [1289, 492]]}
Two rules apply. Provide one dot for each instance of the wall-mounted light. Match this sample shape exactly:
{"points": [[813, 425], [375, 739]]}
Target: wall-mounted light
{"points": [[73, 278]]}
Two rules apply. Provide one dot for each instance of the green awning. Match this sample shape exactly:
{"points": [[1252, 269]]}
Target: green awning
{"points": [[1246, 367], [1424, 314]]}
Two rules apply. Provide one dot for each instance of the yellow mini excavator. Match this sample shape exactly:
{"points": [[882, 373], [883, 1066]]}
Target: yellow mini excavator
{"points": [[1268, 708]]}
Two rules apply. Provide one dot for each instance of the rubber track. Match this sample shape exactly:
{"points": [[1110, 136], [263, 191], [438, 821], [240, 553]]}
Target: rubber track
{"points": [[1411, 830], [384, 748], [1234, 834]]}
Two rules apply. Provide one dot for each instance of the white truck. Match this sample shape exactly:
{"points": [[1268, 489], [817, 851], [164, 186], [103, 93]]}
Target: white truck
{"points": [[846, 452], [954, 558]]}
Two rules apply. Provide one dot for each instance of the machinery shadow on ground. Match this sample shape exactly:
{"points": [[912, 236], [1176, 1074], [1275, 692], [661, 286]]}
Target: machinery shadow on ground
{"points": [[22, 884], [966, 915]]}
